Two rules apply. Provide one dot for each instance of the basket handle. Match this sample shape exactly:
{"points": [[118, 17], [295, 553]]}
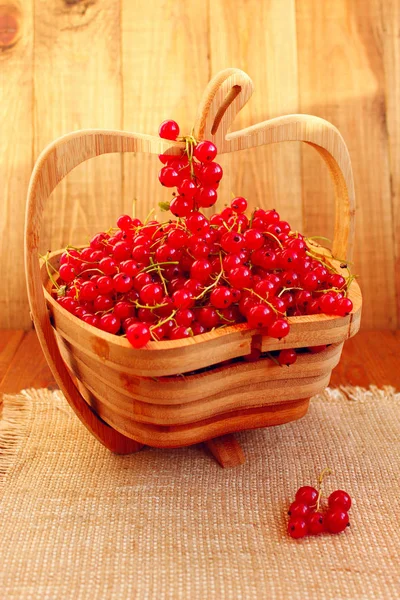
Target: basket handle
{"points": [[55, 162], [224, 97]]}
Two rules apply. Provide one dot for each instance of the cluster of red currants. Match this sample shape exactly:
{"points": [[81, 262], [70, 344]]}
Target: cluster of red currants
{"points": [[156, 280], [195, 174], [306, 517]]}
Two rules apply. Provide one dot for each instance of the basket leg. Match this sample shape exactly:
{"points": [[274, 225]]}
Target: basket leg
{"points": [[226, 450]]}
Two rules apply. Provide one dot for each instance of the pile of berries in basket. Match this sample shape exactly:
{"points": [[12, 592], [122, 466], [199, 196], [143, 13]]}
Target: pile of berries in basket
{"points": [[155, 281]]}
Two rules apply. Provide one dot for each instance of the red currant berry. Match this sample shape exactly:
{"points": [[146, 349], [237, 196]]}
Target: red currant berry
{"points": [[336, 520], [197, 223], [279, 329], [91, 320], [109, 323], [260, 316], [138, 335], [211, 173], [177, 238], [146, 315], [205, 151], [221, 297], [124, 222], [67, 272], [201, 270], [287, 357], [168, 130], [98, 241], [122, 251], [122, 283], [102, 303], [316, 523], [88, 291], [232, 242], [206, 197], [123, 310], [239, 205], [151, 294], [140, 280], [184, 317], [240, 277], [307, 494], [344, 306], [208, 317], [168, 177], [129, 267], [197, 328], [297, 528], [339, 499], [187, 188], [141, 254], [181, 206], [337, 281], [299, 509], [183, 298], [327, 304], [253, 239], [108, 266], [104, 284]]}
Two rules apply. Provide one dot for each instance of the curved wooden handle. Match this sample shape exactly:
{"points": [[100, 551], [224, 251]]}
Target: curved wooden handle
{"points": [[55, 162], [223, 98], [229, 91]]}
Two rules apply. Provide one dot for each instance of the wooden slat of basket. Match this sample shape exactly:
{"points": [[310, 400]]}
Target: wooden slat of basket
{"points": [[189, 388], [173, 436], [246, 396]]}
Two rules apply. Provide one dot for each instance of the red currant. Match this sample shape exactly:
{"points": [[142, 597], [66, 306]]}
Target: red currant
{"points": [[316, 523], [205, 151], [299, 509], [279, 329], [287, 357], [138, 335], [339, 499], [168, 177], [307, 494], [297, 528], [169, 130], [336, 520]]}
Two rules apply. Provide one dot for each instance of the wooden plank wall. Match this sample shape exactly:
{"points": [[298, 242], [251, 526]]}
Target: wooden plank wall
{"points": [[71, 64]]}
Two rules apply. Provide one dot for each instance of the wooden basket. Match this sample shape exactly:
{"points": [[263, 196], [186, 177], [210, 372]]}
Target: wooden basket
{"points": [[127, 397]]}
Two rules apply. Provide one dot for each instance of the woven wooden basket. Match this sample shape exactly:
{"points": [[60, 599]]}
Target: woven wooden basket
{"points": [[127, 397]]}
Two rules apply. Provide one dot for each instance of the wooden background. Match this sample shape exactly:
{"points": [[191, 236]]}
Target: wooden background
{"points": [[129, 64]]}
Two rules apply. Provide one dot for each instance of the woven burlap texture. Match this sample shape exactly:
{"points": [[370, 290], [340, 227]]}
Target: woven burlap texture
{"points": [[77, 522]]}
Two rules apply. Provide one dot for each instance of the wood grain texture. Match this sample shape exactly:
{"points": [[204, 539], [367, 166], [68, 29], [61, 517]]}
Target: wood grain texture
{"points": [[227, 451], [260, 38], [386, 24], [369, 358], [338, 60], [16, 160], [342, 79], [78, 84]]}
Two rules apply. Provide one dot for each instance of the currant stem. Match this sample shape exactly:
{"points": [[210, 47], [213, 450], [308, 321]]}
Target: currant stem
{"points": [[253, 293], [327, 471]]}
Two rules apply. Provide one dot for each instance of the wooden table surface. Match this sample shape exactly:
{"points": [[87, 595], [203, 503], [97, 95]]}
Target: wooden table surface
{"points": [[371, 357]]}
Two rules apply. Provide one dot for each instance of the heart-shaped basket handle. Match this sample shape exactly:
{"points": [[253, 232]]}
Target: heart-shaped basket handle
{"points": [[226, 94], [224, 97]]}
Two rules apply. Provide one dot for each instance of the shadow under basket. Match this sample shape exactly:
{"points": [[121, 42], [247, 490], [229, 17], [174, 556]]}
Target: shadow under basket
{"points": [[177, 393]]}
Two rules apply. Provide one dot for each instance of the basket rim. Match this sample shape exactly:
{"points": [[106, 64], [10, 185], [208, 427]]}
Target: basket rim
{"points": [[119, 341]]}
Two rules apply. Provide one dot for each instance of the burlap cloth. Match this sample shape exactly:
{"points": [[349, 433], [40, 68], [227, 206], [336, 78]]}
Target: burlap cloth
{"points": [[78, 523]]}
